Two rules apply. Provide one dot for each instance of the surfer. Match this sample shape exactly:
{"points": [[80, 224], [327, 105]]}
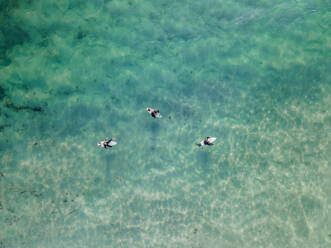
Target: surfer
{"points": [[155, 113], [209, 141], [107, 143]]}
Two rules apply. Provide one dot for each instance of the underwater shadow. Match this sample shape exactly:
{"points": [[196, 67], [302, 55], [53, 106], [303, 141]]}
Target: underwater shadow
{"points": [[154, 127], [109, 158], [203, 157]]}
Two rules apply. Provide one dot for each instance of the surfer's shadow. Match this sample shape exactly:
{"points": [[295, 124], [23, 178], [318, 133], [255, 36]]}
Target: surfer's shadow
{"points": [[205, 160], [153, 127], [109, 158], [203, 157]]}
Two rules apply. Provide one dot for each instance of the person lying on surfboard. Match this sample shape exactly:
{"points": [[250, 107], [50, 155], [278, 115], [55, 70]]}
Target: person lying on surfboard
{"points": [[209, 141], [155, 113], [107, 143]]}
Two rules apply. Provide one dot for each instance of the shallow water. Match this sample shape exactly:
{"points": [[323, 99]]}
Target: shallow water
{"points": [[254, 74]]}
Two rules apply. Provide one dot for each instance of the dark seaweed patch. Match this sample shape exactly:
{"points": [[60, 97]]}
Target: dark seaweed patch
{"points": [[16, 108], [6, 6], [11, 31], [2, 93], [32, 192], [2, 127], [13, 35], [80, 35]]}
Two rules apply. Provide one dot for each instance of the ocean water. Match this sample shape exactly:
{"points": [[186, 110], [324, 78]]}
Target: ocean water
{"points": [[254, 74]]}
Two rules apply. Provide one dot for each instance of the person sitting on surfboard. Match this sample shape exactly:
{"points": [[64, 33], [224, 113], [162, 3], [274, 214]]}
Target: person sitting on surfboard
{"points": [[155, 113], [107, 143], [209, 141]]}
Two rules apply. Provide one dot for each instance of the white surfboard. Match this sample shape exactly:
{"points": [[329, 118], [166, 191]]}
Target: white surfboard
{"points": [[112, 143], [210, 139], [201, 143], [157, 115]]}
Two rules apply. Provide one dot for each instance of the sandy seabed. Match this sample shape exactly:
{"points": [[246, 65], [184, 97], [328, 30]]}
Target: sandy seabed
{"points": [[254, 74]]}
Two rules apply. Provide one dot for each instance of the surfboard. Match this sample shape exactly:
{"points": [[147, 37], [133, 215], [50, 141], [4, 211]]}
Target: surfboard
{"points": [[112, 143], [201, 143], [211, 140], [158, 115]]}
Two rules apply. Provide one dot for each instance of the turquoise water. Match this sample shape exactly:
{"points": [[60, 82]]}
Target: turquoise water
{"points": [[254, 74]]}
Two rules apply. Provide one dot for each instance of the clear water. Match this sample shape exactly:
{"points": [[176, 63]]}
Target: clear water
{"points": [[254, 74]]}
